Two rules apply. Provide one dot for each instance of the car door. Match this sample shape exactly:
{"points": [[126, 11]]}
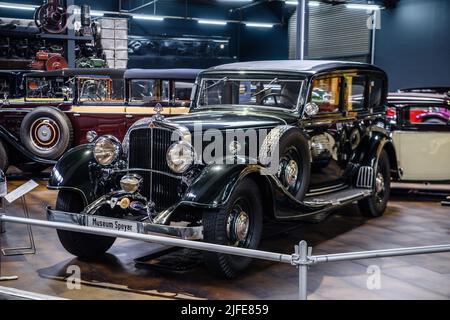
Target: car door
{"points": [[422, 142], [326, 130], [99, 107]]}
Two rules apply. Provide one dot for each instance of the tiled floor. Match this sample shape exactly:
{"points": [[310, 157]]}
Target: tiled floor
{"points": [[409, 221]]}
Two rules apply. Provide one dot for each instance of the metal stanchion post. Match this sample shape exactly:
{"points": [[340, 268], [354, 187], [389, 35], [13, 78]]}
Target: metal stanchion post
{"points": [[31, 249], [4, 278], [302, 251]]}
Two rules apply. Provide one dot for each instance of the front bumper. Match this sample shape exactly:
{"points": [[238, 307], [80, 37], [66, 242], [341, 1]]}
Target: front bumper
{"points": [[187, 233]]}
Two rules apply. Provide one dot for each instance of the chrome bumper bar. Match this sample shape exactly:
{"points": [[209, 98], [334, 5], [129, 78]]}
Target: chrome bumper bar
{"points": [[187, 233]]}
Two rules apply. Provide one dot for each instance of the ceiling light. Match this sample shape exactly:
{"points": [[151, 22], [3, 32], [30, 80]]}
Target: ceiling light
{"points": [[94, 13], [215, 22], [310, 3], [363, 6], [258, 25], [146, 17], [17, 6]]}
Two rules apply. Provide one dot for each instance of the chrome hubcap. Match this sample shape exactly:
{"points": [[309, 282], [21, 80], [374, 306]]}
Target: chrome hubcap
{"points": [[44, 133], [379, 183], [291, 173], [238, 224], [379, 187]]}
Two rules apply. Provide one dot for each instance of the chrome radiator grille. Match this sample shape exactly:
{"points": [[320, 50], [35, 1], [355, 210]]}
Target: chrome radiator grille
{"points": [[148, 148]]}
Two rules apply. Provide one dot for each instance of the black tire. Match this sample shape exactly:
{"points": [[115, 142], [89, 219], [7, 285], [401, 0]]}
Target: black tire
{"points": [[375, 205], [46, 132], [83, 245], [220, 227], [292, 146], [4, 159]]}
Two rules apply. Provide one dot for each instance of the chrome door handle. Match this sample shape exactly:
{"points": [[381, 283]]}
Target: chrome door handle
{"points": [[76, 114], [129, 116]]}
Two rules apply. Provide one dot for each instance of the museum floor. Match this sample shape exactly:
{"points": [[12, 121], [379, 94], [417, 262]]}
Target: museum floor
{"points": [[409, 221]]}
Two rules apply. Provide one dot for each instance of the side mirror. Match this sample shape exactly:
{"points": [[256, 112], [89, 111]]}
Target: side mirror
{"points": [[3, 185]]}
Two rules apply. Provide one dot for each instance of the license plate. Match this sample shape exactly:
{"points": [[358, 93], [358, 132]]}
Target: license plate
{"points": [[112, 224]]}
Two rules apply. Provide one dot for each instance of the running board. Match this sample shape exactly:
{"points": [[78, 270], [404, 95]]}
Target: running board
{"points": [[339, 198]]}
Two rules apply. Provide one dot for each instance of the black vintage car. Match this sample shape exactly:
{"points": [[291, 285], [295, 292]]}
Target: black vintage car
{"points": [[283, 140]]}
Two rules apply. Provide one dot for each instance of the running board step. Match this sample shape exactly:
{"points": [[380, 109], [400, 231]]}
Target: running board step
{"points": [[338, 198]]}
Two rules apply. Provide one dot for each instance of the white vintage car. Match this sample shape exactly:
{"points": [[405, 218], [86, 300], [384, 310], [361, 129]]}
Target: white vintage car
{"points": [[420, 124]]}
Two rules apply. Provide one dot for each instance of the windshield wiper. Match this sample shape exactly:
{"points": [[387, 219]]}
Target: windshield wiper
{"points": [[265, 89], [216, 83]]}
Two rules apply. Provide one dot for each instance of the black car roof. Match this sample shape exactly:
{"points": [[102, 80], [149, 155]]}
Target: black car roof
{"points": [[113, 73], [417, 98], [301, 66], [181, 74]]}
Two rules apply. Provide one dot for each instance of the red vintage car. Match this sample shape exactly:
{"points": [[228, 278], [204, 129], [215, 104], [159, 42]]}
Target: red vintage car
{"points": [[65, 108]]}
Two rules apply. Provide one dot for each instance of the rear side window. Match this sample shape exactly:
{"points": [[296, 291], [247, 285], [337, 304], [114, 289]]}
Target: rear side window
{"points": [[355, 92], [376, 87], [326, 93]]}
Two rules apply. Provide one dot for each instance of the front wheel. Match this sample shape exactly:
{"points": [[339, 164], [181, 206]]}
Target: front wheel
{"points": [[83, 245], [238, 224], [375, 205]]}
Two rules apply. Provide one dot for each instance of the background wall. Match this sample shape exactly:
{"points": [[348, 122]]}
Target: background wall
{"points": [[246, 43], [413, 44]]}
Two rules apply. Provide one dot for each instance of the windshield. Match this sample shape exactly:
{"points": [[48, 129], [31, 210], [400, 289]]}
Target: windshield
{"points": [[270, 92]]}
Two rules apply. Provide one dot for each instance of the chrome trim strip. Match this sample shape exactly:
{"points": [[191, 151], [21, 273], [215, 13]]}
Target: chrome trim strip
{"points": [[187, 233], [325, 190]]}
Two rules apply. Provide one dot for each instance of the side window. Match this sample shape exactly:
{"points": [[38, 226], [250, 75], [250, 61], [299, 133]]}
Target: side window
{"points": [[182, 91], [94, 90], [143, 90], [435, 115], [117, 90], [376, 92], [326, 93], [51, 88], [165, 87], [355, 92]]}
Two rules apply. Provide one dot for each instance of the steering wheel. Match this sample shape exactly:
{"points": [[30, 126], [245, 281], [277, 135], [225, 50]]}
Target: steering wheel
{"points": [[274, 96]]}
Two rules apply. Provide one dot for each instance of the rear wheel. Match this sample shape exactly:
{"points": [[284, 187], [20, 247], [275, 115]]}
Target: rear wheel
{"points": [[82, 245], [238, 224], [46, 132], [375, 205]]}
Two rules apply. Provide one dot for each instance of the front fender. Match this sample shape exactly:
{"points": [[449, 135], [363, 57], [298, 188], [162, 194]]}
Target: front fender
{"points": [[72, 172], [216, 183]]}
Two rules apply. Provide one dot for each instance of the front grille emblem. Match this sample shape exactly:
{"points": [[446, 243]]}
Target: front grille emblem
{"points": [[158, 109]]}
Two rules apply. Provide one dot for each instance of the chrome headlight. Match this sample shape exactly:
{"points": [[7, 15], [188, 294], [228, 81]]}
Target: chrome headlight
{"points": [[107, 150], [180, 156], [131, 183]]}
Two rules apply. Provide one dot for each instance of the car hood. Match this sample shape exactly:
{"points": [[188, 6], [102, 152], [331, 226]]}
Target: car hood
{"points": [[225, 120]]}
